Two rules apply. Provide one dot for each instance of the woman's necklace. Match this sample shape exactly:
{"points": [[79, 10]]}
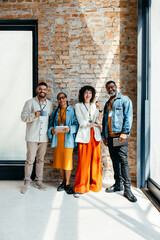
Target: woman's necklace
{"points": [[89, 112], [61, 115]]}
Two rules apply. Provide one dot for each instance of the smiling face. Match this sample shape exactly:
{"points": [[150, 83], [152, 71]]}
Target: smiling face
{"points": [[62, 100], [111, 89], [41, 91], [87, 96]]}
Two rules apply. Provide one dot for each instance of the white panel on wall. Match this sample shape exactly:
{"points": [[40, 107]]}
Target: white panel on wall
{"points": [[16, 87], [155, 91]]}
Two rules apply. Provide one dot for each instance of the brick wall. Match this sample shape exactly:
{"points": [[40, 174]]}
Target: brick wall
{"points": [[84, 42]]}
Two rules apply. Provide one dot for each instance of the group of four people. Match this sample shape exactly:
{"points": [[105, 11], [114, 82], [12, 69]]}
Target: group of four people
{"points": [[83, 126]]}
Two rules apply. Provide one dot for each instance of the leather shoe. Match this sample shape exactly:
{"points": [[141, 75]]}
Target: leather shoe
{"points": [[129, 195], [114, 188], [68, 189], [61, 187]]}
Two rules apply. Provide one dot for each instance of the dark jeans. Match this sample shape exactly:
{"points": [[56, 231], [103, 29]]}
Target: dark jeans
{"points": [[120, 164]]}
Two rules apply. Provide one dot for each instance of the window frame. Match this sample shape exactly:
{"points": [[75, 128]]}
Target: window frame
{"points": [[14, 169]]}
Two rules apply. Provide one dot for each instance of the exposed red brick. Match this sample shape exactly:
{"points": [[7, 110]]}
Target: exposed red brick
{"points": [[78, 47]]}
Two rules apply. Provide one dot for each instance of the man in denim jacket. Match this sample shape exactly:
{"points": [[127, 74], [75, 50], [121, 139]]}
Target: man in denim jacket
{"points": [[116, 125]]}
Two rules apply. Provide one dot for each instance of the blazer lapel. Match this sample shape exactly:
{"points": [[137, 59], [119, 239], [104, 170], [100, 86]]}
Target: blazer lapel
{"points": [[86, 113]]}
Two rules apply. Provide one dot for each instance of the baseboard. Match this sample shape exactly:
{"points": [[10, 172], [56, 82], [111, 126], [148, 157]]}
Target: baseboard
{"points": [[153, 193]]}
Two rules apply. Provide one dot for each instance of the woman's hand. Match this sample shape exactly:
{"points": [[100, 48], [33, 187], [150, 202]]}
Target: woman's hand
{"points": [[94, 124], [100, 126], [91, 125], [105, 142], [99, 106], [53, 131], [66, 130]]}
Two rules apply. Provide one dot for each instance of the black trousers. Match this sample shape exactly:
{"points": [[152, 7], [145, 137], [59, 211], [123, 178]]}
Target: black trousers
{"points": [[120, 164]]}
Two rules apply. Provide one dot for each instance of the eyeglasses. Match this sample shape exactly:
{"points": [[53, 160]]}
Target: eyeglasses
{"points": [[61, 98]]}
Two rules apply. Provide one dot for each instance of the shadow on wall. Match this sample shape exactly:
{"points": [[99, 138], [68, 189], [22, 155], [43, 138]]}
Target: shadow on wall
{"points": [[95, 42], [85, 42], [128, 71]]}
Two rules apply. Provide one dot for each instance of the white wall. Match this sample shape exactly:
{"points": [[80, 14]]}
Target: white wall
{"points": [[155, 91], [16, 88]]}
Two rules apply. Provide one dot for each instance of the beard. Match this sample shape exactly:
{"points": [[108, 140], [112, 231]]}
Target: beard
{"points": [[42, 96], [113, 94]]}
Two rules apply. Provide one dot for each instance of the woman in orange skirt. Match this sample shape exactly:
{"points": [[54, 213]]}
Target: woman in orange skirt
{"points": [[89, 172], [63, 140]]}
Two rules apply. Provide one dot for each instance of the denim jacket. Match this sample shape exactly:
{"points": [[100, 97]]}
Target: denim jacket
{"points": [[122, 116], [71, 121]]}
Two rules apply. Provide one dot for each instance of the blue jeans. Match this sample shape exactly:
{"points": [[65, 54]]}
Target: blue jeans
{"points": [[120, 164]]}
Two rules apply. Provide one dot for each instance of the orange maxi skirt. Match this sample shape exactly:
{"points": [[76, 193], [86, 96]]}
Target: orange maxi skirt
{"points": [[89, 171], [62, 157]]}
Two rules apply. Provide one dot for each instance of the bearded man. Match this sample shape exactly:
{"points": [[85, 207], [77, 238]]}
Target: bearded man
{"points": [[116, 125], [35, 113]]}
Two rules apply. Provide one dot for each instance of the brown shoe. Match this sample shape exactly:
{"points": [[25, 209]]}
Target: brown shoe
{"points": [[41, 186], [25, 187]]}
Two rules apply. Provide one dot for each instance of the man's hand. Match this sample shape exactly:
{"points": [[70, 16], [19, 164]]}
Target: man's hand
{"points": [[37, 114], [53, 131], [66, 130], [122, 137], [105, 142]]}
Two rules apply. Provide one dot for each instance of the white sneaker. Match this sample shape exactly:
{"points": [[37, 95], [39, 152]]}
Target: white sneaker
{"points": [[76, 194], [25, 187], [41, 186]]}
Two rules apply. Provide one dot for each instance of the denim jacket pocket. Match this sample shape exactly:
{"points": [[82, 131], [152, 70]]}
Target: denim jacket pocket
{"points": [[118, 113], [119, 109]]}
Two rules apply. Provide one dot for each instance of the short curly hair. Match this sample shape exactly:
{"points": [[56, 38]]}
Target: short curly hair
{"points": [[109, 82], [82, 91]]}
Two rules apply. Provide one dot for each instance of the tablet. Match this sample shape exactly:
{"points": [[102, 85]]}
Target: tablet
{"points": [[60, 128], [117, 143]]}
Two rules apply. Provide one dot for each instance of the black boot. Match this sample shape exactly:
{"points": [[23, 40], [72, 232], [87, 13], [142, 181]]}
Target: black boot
{"points": [[114, 188], [129, 195]]}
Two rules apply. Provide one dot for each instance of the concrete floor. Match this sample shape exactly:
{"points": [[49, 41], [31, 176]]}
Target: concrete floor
{"points": [[52, 215]]}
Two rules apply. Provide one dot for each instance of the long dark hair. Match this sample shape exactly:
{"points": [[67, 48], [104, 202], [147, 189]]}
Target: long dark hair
{"points": [[82, 91]]}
